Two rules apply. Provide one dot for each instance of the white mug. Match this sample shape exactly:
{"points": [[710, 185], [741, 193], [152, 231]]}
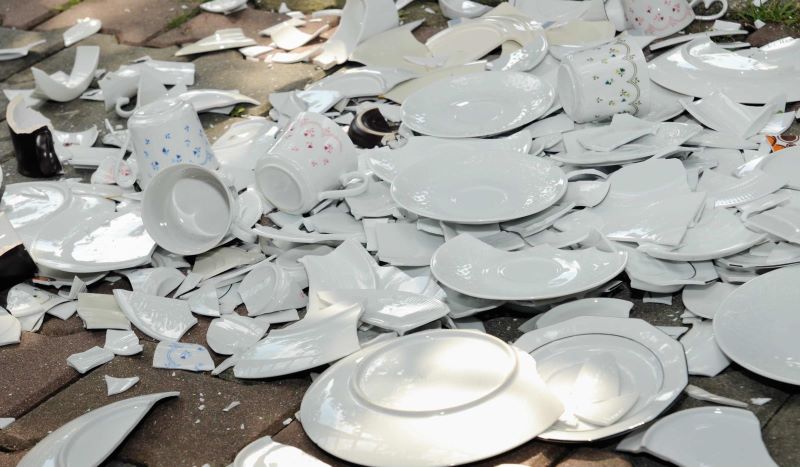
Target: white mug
{"points": [[168, 132], [597, 83], [661, 18], [311, 158]]}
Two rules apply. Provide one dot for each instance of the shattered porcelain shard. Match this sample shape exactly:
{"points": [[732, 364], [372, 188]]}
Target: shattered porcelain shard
{"points": [[101, 242], [119, 385], [780, 222], [665, 104], [82, 29], [62, 87], [266, 452], [10, 329], [479, 188], [232, 334], [401, 244], [363, 82], [702, 67], [703, 395], [753, 324], [704, 300], [560, 11], [122, 342], [92, 437], [524, 59], [646, 361], [222, 39], [360, 20], [182, 356], [92, 358], [289, 261], [458, 107], [454, 9], [268, 288], [719, 112], [163, 319], [224, 7], [472, 267], [703, 355], [219, 260], [188, 209], [374, 53], [16, 265], [288, 37], [402, 91], [389, 309], [154, 281], [313, 341], [204, 301], [427, 417], [203, 100], [32, 139], [100, 311], [19, 52], [703, 437], [607, 307]]}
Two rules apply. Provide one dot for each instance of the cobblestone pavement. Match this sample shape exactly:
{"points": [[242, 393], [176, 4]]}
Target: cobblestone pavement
{"points": [[42, 392]]}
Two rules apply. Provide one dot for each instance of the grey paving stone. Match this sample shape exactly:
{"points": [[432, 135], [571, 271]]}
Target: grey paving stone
{"points": [[132, 22], [780, 434], [18, 38], [251, 21], [587, 457], [26, 14], [191, 430]]}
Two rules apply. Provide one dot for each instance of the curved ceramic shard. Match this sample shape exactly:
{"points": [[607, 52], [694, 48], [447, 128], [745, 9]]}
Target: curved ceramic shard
{"points": [[233, 333], [92, 358], [19, 52], [154, 281], [608, 307], [64, 88], [122, 342], [703, 354], [704, 437], [10, 330], [204, 100], [224, 6], [163, 319], [222, 39], [33, 143], [607, 412], [182, 356], [265, 452], [90, 438], [329, 336], [598, 379], [83, 28], [119, 385], [454, 9], [360, 20]]}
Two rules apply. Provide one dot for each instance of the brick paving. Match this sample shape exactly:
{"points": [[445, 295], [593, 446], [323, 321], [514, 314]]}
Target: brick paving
{"points": [[42, 392]]}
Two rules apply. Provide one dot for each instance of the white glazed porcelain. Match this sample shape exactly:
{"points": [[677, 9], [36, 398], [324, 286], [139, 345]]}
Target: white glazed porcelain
{"points": [[699, 393], [231, 334], [30, 206], [719, 112], [224, 7], [220, 40], [524, 59], [661, 19], [90, 438], [163, 319], [401, 244], [704, 300], [100, 311], [19, 52], [428, 417], [754, 325], [204, 100], [702, 67], [122, 342], [703, 355], [62, 87], [474, 268], [363, 82], [182, 356], [561, 11], [780, 222], [188, 209], [312, 157], [597, 83], [606, 307], [639, 359], [116, 386], [360, 20], [10, 329], [393, 310], [269, 288], [477, 104], [265, 452], [479, 188], [82, 29], [166, 133], [374, 53], [703, 437], [92, 358]]}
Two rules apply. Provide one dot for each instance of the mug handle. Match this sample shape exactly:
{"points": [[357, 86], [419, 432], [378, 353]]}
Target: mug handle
{"points": [[122, 113], [346, 179], [708, 3]]}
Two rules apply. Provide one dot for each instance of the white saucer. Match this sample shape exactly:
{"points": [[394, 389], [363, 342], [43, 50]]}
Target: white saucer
{"points": [[479, 187]]}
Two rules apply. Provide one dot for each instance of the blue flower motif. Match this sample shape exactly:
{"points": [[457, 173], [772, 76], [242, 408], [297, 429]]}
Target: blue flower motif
{"points": [[146, 154], [178, 159], [155, 165], [165, 151], [147, 141], [168, 136], [186, 128], [187, 142], [196, 152]]}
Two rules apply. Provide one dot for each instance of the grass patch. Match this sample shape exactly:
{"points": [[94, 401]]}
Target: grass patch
{"points": [[773, 11], [239, 111], [179, 21], [69, 4]]}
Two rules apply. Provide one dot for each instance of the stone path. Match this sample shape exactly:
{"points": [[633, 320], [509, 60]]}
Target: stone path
{"points": [[42, 392]]}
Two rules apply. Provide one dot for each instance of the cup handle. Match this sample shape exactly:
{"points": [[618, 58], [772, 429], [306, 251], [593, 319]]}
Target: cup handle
{"points": [[120, 111], [708, 3], [586, 173], [346, 179]]}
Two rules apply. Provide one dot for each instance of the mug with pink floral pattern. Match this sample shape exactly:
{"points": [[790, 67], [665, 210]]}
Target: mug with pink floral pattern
{"points": [[307, 164], [661, 18]]}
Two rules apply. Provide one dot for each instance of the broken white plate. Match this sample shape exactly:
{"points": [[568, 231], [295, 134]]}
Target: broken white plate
{"points": [[288, 261], [719, 112], [92, 437], [10, 329], [163, 319], [360, 20], [427, 417], [231, 334], [219, 260], [454, 9], [82, 29], [204, 301], [265, 452], [18, 52], [374, 53], [268, 288], [204, 100], [100, 311], [363, 81], [222, 39], [561, 11], [524, 59], [401, 244], [182, 356], [474, 268], [781, 222], [224, 6], [703, 395], [703, 355], [606, 307], [61, 87], [664, 104], [704, 300], [154, 281], [313, 341], [479, 187], [754, 325], [394, 310], [648, 363], [122, 342], [703, 437], [92, 358], [477, 104], [119, 385], [288, 37]]}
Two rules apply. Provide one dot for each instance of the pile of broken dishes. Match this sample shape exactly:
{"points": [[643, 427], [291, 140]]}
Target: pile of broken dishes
{"points": [[530, 155]]}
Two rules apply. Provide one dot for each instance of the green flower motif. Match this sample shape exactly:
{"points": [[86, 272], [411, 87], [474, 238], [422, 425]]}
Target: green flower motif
{"points": [[620, 71], [595, 77], [609, 81]]}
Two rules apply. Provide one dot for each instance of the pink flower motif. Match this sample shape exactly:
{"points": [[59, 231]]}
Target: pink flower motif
{"points": [[328, 148], [294, 149], [326, 161], [309, 145], [314, 163], [309, 133]]}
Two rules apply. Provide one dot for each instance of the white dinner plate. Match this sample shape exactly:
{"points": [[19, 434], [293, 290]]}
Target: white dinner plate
{"points": [[478, 104], [756, 325], [479, 187]]}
